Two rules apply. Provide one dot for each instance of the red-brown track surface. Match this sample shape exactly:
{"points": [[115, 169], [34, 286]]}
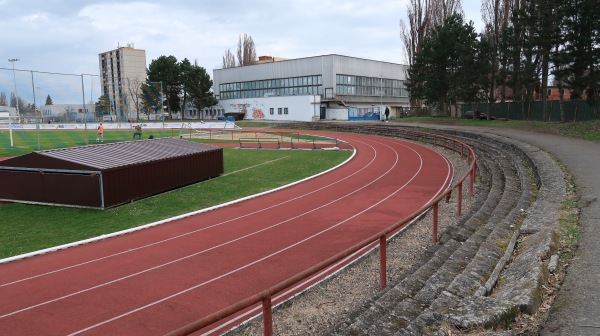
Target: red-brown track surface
{"points": [[153, 281]]}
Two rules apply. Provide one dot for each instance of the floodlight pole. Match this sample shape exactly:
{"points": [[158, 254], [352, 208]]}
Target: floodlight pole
{"points": [[162, 107], [12, 144], [87, 139], [37, 120], [13, 60]]}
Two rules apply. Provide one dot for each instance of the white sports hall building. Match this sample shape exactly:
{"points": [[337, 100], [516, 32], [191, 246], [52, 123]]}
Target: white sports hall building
{"points": [[328, 87]]}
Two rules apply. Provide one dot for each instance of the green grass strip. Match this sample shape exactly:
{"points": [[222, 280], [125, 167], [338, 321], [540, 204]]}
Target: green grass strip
{"points": [[589, 130], [25, 228]]}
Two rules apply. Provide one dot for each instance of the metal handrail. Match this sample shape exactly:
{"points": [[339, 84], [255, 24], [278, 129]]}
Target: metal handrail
{"points": [[266, 295]]}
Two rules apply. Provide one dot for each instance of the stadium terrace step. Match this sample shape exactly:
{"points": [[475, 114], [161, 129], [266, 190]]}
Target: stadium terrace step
{"points": [[464, 263], [457, 281]]}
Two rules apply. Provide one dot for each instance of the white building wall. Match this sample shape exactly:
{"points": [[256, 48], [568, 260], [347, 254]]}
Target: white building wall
{"points": [[12, 111], [337, 113], [75, 110], [299, 108], [329, 67]]}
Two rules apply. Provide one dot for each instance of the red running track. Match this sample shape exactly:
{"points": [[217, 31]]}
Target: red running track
{"points": [[159, 279]]}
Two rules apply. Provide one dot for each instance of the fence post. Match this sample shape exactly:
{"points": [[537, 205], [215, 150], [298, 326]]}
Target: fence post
{"points": [[382, 262], [434, 238], [267, 316]]}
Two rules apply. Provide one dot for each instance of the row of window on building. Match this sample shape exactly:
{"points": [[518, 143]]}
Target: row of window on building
{"points": [[272, 83], [280, 110], [369, 86], [303, 90], [304, 85], [313, 85]]}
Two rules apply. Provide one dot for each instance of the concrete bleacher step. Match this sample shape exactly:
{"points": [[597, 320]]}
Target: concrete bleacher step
{"points": [[461, 265]]}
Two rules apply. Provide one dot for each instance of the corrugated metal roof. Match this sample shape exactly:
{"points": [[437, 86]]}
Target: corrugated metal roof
{"points": [[121, 154]]}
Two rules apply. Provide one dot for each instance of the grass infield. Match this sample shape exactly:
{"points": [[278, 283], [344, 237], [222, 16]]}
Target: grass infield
{"points": [[25, 228]]}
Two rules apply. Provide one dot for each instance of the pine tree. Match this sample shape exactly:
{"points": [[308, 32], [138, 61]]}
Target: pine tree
{"points": [[445, 71]]}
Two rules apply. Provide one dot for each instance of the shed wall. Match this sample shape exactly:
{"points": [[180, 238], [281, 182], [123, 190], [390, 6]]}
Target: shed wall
{"points": [[135, 182], [51, 188], [103, 188]]}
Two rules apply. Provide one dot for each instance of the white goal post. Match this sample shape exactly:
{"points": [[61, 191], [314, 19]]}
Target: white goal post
{"points": [[5, 119]]}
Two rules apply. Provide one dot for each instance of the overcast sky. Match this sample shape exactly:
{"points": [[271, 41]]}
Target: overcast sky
{"points": [[66, 36]]}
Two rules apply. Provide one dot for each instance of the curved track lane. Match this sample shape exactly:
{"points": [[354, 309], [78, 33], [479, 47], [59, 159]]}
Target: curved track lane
{"points": [[156, 280]]}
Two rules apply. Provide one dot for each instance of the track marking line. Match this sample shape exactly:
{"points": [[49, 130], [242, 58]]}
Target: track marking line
{"points": [[237, 239], [277, 252], [185, 257]]}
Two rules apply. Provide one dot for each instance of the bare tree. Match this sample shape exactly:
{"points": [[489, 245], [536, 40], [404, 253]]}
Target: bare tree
{"points": [[134, 88], [496, 17], [422, 16], [442, 9], [413, 32], [228, 59], [246, 51]]}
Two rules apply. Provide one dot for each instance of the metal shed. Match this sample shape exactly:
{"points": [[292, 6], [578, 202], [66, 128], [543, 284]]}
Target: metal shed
{"points": [[106, 175]]}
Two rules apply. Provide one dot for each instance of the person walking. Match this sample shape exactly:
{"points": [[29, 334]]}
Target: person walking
{"points": [[387, 113], [100, 133]]}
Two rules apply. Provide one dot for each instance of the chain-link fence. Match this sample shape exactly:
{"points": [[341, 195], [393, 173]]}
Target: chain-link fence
{"points": [[574, 110], [35, 96], [44, 97]]}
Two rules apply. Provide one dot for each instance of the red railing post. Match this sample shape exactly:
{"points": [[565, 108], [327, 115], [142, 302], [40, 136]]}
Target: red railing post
{"points": [[267, 316], [434, 237], [459, 199], [462, 154], [382, 262]]}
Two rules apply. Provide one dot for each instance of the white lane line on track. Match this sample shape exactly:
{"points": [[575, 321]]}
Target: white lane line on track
{"points": [[131, 249], [301, 287], [181, 235], [212, 280], [279, 251], [199, 252], [274, 253], [164, 221]]}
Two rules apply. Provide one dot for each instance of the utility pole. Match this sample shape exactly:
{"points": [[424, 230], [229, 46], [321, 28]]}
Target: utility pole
{"points": [[13, 60]]}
